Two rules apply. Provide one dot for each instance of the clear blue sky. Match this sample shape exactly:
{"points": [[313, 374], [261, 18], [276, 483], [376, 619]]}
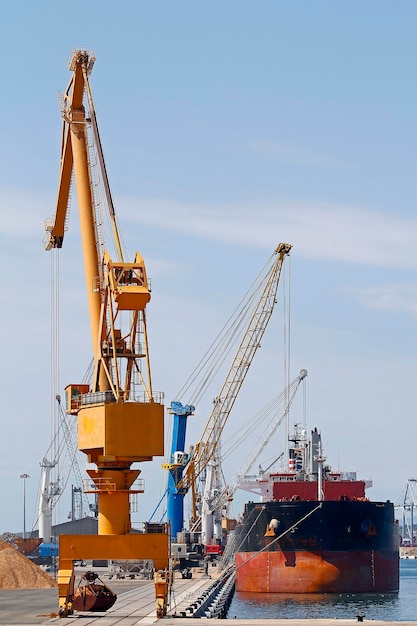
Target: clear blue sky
{"points": [[227, 127]]}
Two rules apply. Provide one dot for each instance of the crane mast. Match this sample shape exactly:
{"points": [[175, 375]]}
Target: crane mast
{"points": [[207, 447], [120, 417]]}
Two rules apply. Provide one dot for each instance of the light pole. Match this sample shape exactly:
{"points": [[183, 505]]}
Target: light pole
{"points": [[24, 476]]}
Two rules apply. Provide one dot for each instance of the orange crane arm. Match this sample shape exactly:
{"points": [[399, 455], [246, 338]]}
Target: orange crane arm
{"points": [[56, 231], [74, 157], [73, 107]]}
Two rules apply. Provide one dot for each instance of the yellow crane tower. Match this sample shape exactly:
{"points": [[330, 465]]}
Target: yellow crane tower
{"points": [[120, 417]]}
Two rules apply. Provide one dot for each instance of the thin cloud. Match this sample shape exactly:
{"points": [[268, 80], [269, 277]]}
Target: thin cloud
{"points": [[321, 231], [394, 298], [286, 153], [23, 212]]}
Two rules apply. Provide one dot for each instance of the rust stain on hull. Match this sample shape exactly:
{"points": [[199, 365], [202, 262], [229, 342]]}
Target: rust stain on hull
{"points": [[307, 572]]}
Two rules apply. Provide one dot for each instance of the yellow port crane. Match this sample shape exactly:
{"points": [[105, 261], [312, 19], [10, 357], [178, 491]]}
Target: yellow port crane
{"points": [[120, 417]]}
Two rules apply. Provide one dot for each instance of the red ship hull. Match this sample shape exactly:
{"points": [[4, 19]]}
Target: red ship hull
{"points": [[328, 572]]}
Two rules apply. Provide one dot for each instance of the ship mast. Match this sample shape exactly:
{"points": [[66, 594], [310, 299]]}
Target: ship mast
{"points": [[320, 460]]}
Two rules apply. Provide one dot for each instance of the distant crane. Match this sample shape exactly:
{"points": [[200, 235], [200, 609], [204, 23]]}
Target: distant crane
{"points": [[176, 465], [205, 454], [407, 504], [50, 492], [46, 501]]}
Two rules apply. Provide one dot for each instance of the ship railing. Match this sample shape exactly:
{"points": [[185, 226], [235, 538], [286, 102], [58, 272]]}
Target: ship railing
{"points": [[106, 397], [149, 527], [107, 485]]}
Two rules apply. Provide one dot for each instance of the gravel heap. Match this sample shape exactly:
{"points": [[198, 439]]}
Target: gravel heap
{"points": [[19, 572]]}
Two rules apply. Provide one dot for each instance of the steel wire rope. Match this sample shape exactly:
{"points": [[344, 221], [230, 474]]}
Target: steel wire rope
{"points": [[275, 406], [59, 452], [253, 524], [282, 402], [54, 446], [223, 342], [211, 362], [227, 338], [234, 442], [101, 188], [101, 194], [88, 375], [64, 449], [289, 390], [57, 445], [112, 221], [115, 232], [236, 439], [244, 316], [234, 335], [263, 441], [55, 364], [287, 342], [217, 353], [36, 516]]}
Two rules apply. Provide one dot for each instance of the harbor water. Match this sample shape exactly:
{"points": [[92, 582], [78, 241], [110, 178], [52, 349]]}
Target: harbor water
{"points": [[399, 607]]}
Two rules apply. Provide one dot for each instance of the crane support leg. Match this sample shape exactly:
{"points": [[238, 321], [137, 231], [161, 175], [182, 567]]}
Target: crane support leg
{"points": [[163, 585], [66, 579], [148, 545]]}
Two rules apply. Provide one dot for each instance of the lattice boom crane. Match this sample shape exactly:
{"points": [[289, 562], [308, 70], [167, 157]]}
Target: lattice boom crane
{"points": [[206, 447]]}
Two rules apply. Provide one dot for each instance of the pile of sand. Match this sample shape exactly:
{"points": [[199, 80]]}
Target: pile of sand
{"points": [[408, 551], [19, 572]]}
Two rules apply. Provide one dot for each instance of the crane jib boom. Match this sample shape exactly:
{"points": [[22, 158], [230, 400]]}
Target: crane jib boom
{"points": [[223, 404]]}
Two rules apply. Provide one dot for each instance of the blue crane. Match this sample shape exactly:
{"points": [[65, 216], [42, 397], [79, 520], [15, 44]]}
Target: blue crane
{"points": [[178, 461]]}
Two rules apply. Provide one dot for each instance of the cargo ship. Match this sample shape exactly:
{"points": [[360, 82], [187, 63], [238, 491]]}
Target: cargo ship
{"points": [[315, 531]]}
